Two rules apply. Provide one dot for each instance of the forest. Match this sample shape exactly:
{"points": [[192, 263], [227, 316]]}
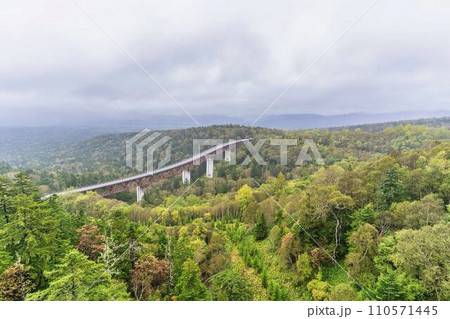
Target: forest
{"points": [[372, 224]]}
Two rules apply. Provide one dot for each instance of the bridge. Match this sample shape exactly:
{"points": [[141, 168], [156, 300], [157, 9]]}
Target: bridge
{"points": [[139, 181]]}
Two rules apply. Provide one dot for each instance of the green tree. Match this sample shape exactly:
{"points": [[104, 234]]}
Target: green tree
{"points": [[275, 236], [264, 279], [181, 252], [364, 246], [230, 285], [23, 184], [5, 260], [279, 184], [424, 254], [304, 267], [391, 189], [365, 215], [388, 288], [189, 286], [394, 284], [123, 233], [319, 289], [343, 292], [276, 291], [6, 205], [78, 278], [426, 212], [244, 196], [261, 227], [33, 234], [326, 211], [218, 257]]}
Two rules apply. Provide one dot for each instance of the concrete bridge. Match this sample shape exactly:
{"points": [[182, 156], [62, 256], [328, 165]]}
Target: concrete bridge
{"points": [[139, 181]]}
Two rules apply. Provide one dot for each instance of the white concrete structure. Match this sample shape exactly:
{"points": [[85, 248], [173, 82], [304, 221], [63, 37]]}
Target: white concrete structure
{"points": [[186, 176], [139, 194], [228, 155], [209, 166]]}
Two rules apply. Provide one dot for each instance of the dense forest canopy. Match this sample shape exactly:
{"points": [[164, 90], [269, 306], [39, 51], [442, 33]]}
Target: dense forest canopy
{"points": [[372, 224]]}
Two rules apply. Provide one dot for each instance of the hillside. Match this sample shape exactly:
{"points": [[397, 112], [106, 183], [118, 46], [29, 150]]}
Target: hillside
{"points": [[102, 158], [27, 147], [357, 229]]}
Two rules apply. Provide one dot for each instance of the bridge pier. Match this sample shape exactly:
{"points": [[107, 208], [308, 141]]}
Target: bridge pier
{"points": [[209, 166], [139, 194], [186, 176], [228, 155]]}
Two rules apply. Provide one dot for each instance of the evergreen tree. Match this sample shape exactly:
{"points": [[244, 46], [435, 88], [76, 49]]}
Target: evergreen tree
{"points": [[181, 253], [276, 291], [78, 278], [33, 235], [6, 260], [365, 215], [189, 286], [22, 184], [230, 285], [304, 267], [6, 207], [264, 278], [388, 288], [391, 189], [261, 228], [279, 184]]}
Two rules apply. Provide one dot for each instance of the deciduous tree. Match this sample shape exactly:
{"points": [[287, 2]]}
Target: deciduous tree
{"points": [[343, 292], [91, 242], [149, 275], [15, 283], [424, 254]]}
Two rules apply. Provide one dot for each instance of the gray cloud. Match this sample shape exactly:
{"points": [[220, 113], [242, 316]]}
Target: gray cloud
{"points": [[223, 57]]}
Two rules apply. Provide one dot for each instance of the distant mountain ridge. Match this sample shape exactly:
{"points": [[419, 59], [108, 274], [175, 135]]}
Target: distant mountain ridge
{"points": [[311, 121], [277, 121]]}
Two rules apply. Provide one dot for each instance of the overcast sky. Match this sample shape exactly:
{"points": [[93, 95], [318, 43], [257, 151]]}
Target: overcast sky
{"points": [[221, 57]]}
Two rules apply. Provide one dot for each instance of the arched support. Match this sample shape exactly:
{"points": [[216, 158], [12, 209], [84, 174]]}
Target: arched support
{"points": [[186, 176], [209, 166], [139, 194]]}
